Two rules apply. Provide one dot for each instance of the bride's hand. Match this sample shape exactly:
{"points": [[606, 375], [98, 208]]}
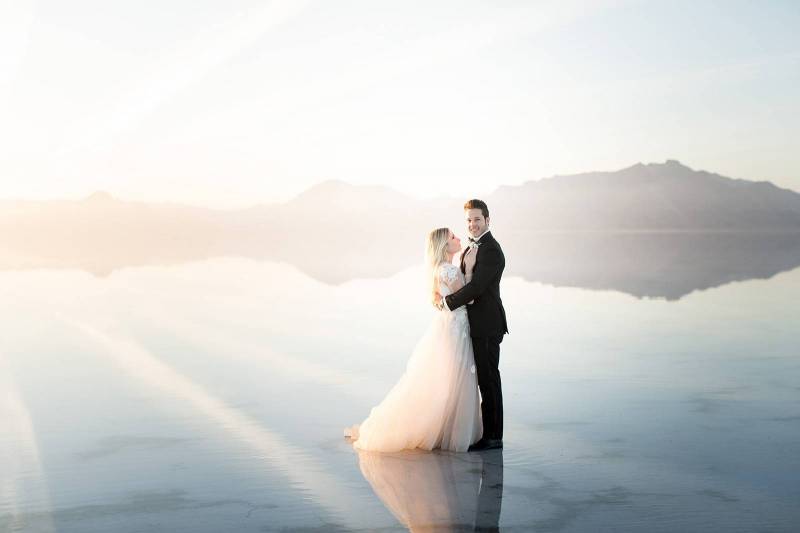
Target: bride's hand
{"points": [[469, 262]]}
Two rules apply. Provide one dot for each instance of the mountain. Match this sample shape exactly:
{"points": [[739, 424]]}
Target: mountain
{"points": [[653, 197]]}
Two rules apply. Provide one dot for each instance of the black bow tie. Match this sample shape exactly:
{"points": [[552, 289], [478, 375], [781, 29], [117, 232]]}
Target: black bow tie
{"points": [[470, 239]]}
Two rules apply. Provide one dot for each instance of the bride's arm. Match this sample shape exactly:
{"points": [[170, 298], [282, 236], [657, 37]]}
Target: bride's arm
{"points": [[454, 283]]}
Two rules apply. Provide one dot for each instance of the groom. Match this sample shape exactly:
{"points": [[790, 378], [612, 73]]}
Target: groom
{"points": [[487, 318]]}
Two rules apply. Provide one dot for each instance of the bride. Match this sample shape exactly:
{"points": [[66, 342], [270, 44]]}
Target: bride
{"points": [[435, 403]]}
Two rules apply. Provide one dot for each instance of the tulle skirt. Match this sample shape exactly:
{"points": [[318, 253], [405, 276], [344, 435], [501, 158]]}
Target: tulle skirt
{"points": [[435, 403]]}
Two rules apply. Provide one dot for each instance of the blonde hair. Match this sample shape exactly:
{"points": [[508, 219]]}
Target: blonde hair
{"points": [[435, 255]]}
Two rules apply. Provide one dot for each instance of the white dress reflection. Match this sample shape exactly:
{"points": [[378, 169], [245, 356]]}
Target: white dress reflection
{"points": [[435, 403], [438, 491]]}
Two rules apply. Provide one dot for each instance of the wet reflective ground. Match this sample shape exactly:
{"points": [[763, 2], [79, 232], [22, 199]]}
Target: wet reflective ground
{"points": [[210, 395]]}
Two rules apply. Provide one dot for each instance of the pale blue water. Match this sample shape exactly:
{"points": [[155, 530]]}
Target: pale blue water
{"points": [[211, 395]]}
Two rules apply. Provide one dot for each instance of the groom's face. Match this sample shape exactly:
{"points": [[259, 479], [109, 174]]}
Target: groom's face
{"points": [[476, 223]]}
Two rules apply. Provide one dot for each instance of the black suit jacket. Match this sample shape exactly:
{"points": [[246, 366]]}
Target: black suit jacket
{"points": [[487, 318]]}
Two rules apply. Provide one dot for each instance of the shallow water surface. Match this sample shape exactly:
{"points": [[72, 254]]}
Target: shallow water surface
{"points": [[211, 395]]}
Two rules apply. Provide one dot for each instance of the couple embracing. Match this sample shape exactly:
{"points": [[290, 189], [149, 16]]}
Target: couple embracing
{"points": [[450, 395]]}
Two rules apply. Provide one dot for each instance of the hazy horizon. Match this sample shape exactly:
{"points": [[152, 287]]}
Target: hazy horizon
{"points": [[254, 202], [225, 105]]}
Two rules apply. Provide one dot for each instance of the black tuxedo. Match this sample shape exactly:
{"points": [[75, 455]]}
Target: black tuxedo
{"points": [[487, 323]]}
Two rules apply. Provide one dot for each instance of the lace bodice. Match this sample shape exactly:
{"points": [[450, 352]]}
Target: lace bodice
{"points": [[450, 280], [448, 275]]}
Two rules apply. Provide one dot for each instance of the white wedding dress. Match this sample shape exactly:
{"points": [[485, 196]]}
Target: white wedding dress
{"points": [[435, 404]]}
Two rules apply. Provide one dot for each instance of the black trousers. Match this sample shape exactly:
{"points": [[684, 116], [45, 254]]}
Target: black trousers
{"points": [[487, 361]]}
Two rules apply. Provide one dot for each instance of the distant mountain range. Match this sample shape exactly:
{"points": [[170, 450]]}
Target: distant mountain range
{"points": [[336, 231], [657, 197], [652, 197]]}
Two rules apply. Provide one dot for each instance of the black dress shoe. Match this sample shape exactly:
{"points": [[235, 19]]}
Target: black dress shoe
{"points": [[486, 444], [476, 446]]}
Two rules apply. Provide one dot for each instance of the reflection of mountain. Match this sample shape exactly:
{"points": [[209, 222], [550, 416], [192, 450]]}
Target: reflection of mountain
{"points": [[656, 230], [334, 232], [665, 265], [438, 491]]}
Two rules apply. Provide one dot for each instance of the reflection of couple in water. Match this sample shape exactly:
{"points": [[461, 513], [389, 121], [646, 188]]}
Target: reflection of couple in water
{"points": [[436, 403], [440, 491]]}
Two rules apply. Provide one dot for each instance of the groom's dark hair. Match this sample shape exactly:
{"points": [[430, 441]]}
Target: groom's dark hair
{"points": [[477, 204]]}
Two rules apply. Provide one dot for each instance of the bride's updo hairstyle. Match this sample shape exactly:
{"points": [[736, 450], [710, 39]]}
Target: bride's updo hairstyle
{"points": [[435, 255]]}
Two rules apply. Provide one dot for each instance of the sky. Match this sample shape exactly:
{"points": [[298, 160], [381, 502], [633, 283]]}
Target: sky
{"points": [[231, 103]]}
